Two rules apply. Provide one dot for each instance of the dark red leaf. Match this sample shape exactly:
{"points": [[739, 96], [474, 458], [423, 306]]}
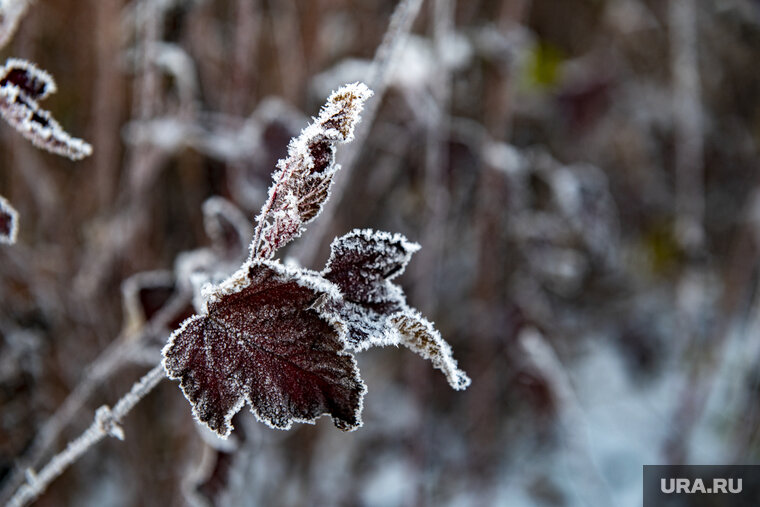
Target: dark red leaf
{"points": [[31, 81], [262, 341], [361, 264], [374, 310]]}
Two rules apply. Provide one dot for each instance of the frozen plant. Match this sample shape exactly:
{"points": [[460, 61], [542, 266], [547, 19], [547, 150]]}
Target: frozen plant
{"points": [[282, 338]]}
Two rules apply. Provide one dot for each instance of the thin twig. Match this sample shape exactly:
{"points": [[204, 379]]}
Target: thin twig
{"points": [[107, 364], [106, 423]]}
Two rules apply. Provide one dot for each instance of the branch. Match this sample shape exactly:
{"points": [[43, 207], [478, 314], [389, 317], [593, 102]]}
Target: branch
{"points": [[107, 422]]}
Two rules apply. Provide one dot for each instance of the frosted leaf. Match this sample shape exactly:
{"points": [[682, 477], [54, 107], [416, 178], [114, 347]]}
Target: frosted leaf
{"points": [[22, 84], [262, 342], [364, 261], [8, 222], [31, 81], [303, 179], [152, 295], [362, 264]]}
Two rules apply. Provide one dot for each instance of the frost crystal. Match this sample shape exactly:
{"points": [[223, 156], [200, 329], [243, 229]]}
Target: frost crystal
{"points": [[362, 265], [303, 179], [265, 344], [22, 85], [8, 222]]}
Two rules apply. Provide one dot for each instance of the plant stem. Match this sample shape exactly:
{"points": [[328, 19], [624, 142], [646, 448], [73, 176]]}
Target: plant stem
{"points": [[105, 423]]}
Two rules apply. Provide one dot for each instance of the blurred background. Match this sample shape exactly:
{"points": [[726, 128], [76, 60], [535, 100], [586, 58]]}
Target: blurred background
{"points": [[582, 177]]}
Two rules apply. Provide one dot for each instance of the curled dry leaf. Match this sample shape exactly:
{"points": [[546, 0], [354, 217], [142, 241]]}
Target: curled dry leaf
{"points": [[22, 85], [8, 222], [302, 181], [374, 310], [262, 341]]}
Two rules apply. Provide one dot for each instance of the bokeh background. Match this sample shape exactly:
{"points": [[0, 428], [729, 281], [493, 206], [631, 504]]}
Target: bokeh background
{"points": [[581, 174]]}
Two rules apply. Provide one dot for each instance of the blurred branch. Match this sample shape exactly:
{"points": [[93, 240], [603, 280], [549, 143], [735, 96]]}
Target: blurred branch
{"points": [[687, 100], [106, 423], [542, 356]]}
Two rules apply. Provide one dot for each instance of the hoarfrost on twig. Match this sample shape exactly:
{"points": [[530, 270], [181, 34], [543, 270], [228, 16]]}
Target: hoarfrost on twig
{"points": [[105, 423]]}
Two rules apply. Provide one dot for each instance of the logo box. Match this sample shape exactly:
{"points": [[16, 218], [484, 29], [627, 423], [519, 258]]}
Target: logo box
{"points": [[701, 485]]}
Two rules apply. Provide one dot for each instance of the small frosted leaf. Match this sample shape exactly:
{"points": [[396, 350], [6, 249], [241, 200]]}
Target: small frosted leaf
{"points": [[262, 342], [150, 294], [22, 84], [419, 335], [302, 181], [33, 82], [373, 310], [363, 262], [8, 222], [145, 293]]}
